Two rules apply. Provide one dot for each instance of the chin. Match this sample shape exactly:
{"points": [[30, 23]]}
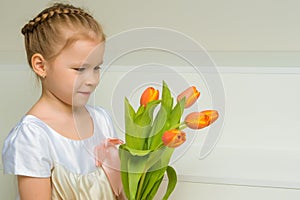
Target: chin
{"points": [[79, 104]]}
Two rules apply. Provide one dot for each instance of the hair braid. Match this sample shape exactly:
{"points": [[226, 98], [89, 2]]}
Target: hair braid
{"points": [[56, 10]]}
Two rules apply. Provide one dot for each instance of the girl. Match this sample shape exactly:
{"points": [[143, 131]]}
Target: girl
{"points": [[51, 149]]}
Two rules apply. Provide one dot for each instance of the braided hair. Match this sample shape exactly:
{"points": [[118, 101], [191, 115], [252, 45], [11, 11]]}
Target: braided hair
{"points": [[47, 33]]}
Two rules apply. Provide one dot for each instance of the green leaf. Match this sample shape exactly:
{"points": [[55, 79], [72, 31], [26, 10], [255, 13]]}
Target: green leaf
{"points": [[129, 108], [155, 142], [154, 189], [176, 113], [159, 122], [143, 126], [136, 170], [129, 116], [138, 125], [156, 157], [157, 170], [146, 189], [124, 170], [165, 158], [145, 118], [136, 152], [132, 169], [140, 110], [154, 179], [167, 100], [172, 181], [135, 142], [130, 126], [160, 125]]}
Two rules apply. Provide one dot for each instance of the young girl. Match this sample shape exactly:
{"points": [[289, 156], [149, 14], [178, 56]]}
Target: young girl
{"points": [[51, 149]]}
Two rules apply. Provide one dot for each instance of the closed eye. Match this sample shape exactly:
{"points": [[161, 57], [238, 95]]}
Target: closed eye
{"points": [[80, 69], [98, 67]]}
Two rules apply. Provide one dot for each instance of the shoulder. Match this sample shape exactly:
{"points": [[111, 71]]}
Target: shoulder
{"points": [[26, 149], [29, 127]]}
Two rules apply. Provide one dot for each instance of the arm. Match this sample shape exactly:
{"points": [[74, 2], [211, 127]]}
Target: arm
{"points": [[31, 188]]}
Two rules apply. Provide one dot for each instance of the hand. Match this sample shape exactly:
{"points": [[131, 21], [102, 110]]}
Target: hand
{"points": [[107, 157], [106, 152]]}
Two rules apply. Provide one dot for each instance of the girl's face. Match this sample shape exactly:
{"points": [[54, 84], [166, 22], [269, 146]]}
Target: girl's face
{"points": [[75, 72]]}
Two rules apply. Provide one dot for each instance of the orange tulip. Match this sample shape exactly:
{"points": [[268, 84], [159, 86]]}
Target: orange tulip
{"points": [[150, 94], [191, 94], [198, 120], [173, 138]]}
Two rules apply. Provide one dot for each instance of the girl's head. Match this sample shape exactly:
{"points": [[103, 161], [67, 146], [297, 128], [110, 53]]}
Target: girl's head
{"points": [[57, 28], [65, 46]]}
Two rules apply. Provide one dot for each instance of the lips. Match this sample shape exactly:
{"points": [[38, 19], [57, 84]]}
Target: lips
{"points": [[85, 93]]}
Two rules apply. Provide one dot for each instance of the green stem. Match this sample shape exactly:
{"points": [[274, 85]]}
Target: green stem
{"points": [[177, 125], [140, 186], [183, 127]]}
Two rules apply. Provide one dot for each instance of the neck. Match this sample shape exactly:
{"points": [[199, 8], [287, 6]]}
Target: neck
{"points": [[57, 105]]}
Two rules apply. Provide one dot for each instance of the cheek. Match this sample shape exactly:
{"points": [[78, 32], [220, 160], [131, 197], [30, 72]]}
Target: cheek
{"points": [[98, 78], [77, 80]]}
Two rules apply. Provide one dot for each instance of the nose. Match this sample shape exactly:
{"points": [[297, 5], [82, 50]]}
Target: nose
{"points": [[92, 78]]}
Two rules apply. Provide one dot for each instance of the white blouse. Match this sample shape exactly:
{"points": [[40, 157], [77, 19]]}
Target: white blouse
{"points": [[34, 149]]}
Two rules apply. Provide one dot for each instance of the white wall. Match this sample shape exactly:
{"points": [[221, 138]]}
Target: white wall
{"points": [[257, 156], [236, 32]]}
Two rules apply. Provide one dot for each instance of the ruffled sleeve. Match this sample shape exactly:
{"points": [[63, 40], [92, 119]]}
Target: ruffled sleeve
{"points": [[26, 151]]}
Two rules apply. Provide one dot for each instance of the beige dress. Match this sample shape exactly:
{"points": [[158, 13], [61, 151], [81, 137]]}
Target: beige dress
{"points": [[34, 149], [67, 185]]}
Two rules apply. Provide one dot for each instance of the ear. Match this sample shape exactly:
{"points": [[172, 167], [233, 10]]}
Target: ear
{"points": [[38, 65]]}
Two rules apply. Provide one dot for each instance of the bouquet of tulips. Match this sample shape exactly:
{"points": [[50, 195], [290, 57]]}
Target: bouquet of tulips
{"points": [[150, 139]]}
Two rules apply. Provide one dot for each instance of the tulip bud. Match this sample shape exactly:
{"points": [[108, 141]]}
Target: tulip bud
{"points": [[173, 138], [150, 94], [191, 94], [198, 120]]}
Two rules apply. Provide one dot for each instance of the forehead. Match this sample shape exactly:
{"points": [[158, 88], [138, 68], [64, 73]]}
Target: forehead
{"points": [[82, 51], [96, 53]]}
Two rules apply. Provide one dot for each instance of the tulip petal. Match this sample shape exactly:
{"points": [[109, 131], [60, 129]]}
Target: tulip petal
{"points": [[150, 94], [199, 120], [191, 94], [173, 138]]}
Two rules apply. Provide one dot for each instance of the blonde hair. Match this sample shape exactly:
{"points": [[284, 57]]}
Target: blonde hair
{"points": [[56, 28]]}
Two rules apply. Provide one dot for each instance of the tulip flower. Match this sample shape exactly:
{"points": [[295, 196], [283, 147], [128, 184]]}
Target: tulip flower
{"points": [[173, 138], [191, 94], [150, 94], [198, 120]]}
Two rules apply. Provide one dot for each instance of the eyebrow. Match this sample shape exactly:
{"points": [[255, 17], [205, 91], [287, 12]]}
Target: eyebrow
{"points": [[88, 64]]}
